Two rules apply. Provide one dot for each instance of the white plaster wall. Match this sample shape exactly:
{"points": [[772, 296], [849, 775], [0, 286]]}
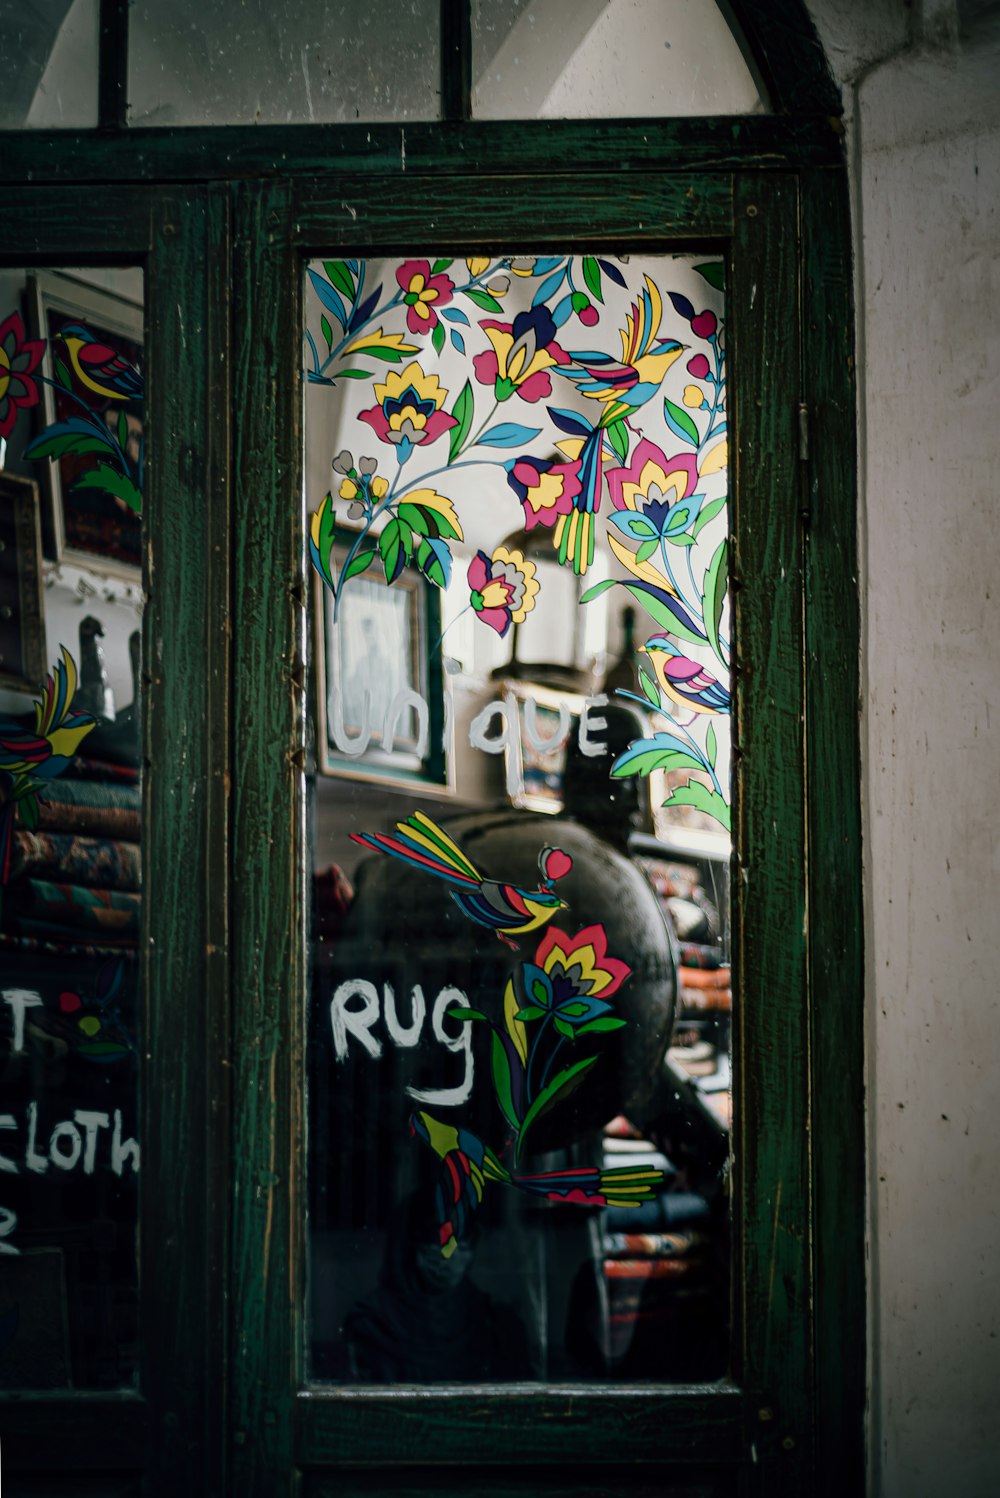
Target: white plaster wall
{"points": [[925, 149]]}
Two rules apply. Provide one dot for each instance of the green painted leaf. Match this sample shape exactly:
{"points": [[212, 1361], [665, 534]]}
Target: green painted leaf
{"points": [[459, 1012], [601, 1026], [598, 589], [379, 351], [680, 422], [709, 801], [338, 275], [360, 562], [647, 549], [431, 565], [662, 615], [416, 518], [656, 759], [28, 811], [716, 583], [500, 1068], [592, 276], [709, 512], [440, 265], [648, 687], [437, 337], [353, 374], [714, 272], [122, 432], [484, 300], [62, 374], [560, 1087], [711, 747], [462, 412], [66, 442], [564, 1029], [111, 481], [396, 545], [530, 1012], [617, 435], [326, 330]]}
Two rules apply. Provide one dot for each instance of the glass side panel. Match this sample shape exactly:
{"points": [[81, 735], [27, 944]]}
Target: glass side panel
{"points": [[71, 445], [520, 997], [259, 63], [590, 59], [48, 63]]}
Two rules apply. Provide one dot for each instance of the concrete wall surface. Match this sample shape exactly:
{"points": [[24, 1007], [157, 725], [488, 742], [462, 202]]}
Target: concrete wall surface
{"points": [[922, 93]]}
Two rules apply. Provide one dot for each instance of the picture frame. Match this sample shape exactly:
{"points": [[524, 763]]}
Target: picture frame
{"points": [[84, 525], [23, 663], [379, 671]]}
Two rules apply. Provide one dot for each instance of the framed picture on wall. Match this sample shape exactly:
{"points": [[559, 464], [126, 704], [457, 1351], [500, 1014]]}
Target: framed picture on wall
{"points": [[91, 441], [380, 682], [22, 612]]}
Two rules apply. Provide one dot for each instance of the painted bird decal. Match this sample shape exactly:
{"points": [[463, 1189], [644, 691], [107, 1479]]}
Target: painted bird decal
{"points": [[467, 1165], [504, 908], [683, 680], [30, 759], [99, 367], [622, 387]]}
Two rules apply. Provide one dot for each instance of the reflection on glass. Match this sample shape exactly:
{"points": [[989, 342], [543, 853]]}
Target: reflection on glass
{"points": [[71, 411], [589, 59], [259, 63], [519, 1009], [48, 62]]}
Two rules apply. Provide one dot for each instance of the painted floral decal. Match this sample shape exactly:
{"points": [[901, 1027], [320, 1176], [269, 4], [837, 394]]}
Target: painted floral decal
{"points": [[598, 409]]}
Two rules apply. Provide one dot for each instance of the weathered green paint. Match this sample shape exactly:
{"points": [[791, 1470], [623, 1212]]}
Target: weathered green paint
{"points": [[540, 1427], [571, 1482], [432, 210], [185, 1145], [770, 1049], [836, 958], [223, 1408], [447, 149], [268, 846]]}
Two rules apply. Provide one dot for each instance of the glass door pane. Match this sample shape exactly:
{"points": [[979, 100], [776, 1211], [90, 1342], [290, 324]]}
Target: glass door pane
{"points": [[71, 450], [519, 1008]]}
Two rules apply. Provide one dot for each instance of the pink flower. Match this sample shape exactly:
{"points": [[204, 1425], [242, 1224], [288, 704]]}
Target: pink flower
{"points": [[422, 292], [18, 358], [545, 488], [520, 356]]}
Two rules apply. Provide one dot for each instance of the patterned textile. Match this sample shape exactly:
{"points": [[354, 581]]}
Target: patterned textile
{"points": [[76, 860], [71, 906], [76, 792], [57, 815]]}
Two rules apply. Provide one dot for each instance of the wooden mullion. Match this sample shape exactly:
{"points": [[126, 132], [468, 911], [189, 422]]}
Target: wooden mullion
{"points": [[112, 65], [456, 60], [836, 928], [598, 1424], [268, 847], [588, 208], [185, 863], [770, 1042], [474, 148]]}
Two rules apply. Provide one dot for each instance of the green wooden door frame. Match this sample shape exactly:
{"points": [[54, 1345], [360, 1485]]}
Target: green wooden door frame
{"points": [[221, 221], [791, 1420], [169, 1426]]}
